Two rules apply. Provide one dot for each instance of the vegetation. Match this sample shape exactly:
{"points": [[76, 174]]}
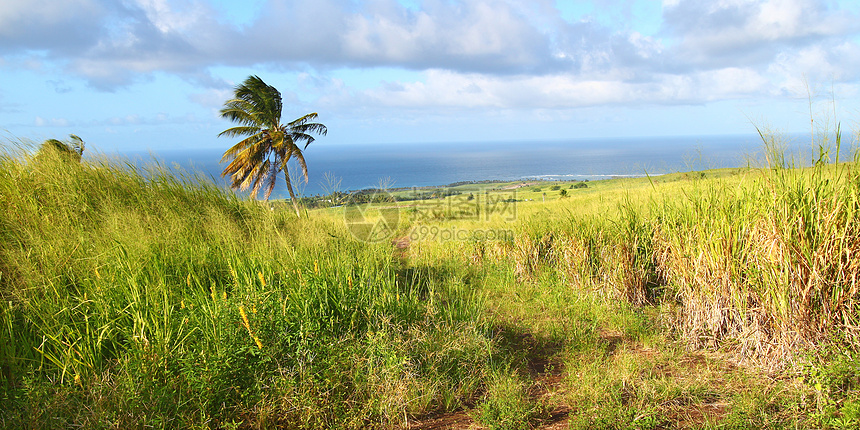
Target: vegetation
{"points": [[73, 149], [158, 299], [154, 299], [257, 159]]}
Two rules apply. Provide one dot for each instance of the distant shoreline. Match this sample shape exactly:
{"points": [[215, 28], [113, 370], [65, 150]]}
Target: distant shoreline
{"points": [[428, 167], [524, 182]]}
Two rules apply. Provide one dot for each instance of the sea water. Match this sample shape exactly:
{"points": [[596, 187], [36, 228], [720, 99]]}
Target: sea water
{"points": [[343, 167]]}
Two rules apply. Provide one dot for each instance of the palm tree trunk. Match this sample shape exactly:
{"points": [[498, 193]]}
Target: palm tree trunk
{"points": [[292, 194]]}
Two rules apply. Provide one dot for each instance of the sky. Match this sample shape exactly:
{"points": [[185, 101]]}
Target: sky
{"points": [[132, 75]]}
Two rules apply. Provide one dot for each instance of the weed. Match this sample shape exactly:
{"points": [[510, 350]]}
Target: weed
{"points": [[507, 405]]}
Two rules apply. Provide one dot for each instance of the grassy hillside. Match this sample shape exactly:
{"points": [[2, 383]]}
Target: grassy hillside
{"points": [[710, 299], [134, 299]]}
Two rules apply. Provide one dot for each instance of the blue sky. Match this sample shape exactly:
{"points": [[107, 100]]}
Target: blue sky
{"points": [[152, 74]]}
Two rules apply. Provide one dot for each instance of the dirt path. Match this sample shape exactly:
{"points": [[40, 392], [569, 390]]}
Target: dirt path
{"points": [[546, 374], [549, 386], [628, 375]]}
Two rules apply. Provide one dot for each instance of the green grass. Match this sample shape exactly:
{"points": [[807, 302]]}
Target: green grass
{"points": [[715, 299], [132, 297]]}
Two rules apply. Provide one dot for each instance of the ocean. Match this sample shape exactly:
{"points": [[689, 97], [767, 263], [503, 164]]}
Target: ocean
{"points": [[354, 167]]}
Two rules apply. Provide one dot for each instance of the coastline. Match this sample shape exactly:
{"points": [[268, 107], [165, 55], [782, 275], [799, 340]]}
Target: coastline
{"points": [[389, 166]]}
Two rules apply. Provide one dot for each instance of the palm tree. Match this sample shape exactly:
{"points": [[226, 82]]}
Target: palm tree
{"points": [[256, 160], [70, 150]]}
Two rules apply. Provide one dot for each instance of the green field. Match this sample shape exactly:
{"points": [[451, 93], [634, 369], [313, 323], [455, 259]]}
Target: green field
{"points": [[717, 299]]}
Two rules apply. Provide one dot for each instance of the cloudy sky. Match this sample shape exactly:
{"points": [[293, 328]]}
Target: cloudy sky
{"points": [[152, 74]]}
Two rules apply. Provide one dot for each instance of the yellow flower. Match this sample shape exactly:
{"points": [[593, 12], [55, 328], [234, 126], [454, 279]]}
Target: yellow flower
{"points": [[188, 280], [316, 268], [245, 319], [98, 275], [262, 279], [248, 327], [349, 281]]}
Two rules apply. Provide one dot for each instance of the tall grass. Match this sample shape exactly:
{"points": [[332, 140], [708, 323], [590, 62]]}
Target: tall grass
{"points": [[767, 265], [758, 261], [136, 298]]}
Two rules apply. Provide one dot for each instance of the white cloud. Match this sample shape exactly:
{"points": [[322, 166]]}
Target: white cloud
{"points": [[53, 122], [717, 33], [496, 54], [646, 46], [212, 97], [485, 35], [175, 16], [14, 14], [54, 25], [731, 82], [794, 70], [445, 89]]}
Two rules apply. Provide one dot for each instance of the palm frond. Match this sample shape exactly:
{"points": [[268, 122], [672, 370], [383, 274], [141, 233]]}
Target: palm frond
{"points": [[256, 180], [301, 129], [301, 137], [240, 111], [302, 120], [271, 179], [265, 99], [77, 144], [255, 142], [300, 158], [244, 161], [240, 131]]}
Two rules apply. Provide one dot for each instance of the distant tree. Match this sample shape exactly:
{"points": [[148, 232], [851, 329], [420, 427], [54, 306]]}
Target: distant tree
{"points": [[72, 149], [562, 193], [268, 144]]}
